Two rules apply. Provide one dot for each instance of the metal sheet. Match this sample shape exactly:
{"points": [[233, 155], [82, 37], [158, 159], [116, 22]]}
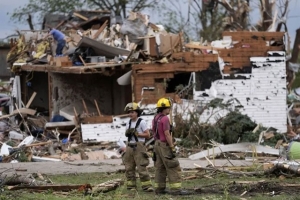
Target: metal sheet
{"points": [[102, 49]]}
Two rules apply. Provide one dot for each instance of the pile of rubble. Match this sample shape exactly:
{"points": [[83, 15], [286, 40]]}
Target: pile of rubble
{"points": [[27, 136], [98, 38], [94, 37]]}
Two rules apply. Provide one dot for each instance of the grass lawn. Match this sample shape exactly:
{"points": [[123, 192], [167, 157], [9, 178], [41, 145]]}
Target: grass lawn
{"points": [[210, 187]]}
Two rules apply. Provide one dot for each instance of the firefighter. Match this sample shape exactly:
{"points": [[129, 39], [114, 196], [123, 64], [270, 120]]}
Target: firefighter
{"points": [[136, 155], [165, 161]]}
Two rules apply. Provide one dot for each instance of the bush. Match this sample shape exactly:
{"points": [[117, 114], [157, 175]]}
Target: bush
{"points": [[232, 128]]}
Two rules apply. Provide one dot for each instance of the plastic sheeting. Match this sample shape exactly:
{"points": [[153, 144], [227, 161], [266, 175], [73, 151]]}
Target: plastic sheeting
{"points": [[134, 29]]}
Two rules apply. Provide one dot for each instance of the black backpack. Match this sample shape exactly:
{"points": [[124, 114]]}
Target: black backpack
{"points": [[137, 124]]}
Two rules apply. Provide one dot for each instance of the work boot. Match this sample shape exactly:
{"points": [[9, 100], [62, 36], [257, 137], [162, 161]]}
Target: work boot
{"points": [[180, 192], [161, 191], [131, 188], [148, 189]]}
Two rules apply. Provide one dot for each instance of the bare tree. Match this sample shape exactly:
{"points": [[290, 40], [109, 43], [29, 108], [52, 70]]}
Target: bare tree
{"points": [[121, 7], [208, 18]]}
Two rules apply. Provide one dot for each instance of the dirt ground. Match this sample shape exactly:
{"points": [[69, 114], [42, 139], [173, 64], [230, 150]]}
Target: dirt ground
{"points": [[88, 166]]}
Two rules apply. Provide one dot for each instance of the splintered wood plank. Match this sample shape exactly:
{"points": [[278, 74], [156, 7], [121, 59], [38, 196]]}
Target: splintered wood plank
{"points": [[30, 100], [96, 35], [80, 16], [85, 107], [24, 111], [84, 64], [98, 109]]}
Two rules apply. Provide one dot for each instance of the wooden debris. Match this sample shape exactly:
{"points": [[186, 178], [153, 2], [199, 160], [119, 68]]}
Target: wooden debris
{"points": [[99, 113], [38, 144], [24, 111], [103, 26], [17, 179], [40, 176], [84, 64], [291, 168], [80, 16], [85, 107], [224, 170], [47, 187], [190, 177], [30, 100], [107, 186]]}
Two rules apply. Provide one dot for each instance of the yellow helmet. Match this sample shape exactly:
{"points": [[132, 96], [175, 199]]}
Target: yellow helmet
{"points": [[163, 103], [131, 106]]}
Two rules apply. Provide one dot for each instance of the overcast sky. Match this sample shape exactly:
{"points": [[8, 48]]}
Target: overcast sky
{"points": [[7, 27]]}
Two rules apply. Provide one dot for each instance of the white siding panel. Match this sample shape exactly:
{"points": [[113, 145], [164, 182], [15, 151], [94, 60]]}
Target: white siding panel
{"points": [[109, 131], [263, 95]]}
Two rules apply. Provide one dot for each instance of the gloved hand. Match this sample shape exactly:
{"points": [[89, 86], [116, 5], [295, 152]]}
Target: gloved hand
{"points": [[128, 133], [136, 133], [173, 150]]}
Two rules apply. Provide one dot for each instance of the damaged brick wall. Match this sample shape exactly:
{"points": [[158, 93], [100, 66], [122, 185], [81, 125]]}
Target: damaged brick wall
{"points": [[261, 93]]}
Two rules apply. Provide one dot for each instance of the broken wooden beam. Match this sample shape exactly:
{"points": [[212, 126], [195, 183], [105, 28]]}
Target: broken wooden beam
{"points": [[84, 64], [96, 35], [107, 186], [24, 111], [30, 100], [85, 107], [37, 144], [98, 110], [80, 16]]}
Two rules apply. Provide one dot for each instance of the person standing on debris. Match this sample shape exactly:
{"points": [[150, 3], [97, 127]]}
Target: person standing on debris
{"points": [[136, 155], [164, 158], [59, 37]]}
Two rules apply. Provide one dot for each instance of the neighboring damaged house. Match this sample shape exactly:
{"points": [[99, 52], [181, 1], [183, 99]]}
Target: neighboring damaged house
{"points": [[117, 64], [4, 67]]}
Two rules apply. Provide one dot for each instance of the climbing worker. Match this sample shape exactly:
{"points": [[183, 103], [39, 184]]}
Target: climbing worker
{"points": [[59, 37], [165, 161], [135, 155]]}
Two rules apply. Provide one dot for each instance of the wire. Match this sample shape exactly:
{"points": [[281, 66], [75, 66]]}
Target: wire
{"points": [[29, 79]]}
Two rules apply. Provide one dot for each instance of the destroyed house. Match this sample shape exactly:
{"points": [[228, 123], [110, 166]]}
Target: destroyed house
{"points": [[246, 66]]}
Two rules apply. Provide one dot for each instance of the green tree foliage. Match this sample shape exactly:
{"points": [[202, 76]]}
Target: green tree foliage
{"points": [[232, 128], [36, 9], [121, 7]]}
